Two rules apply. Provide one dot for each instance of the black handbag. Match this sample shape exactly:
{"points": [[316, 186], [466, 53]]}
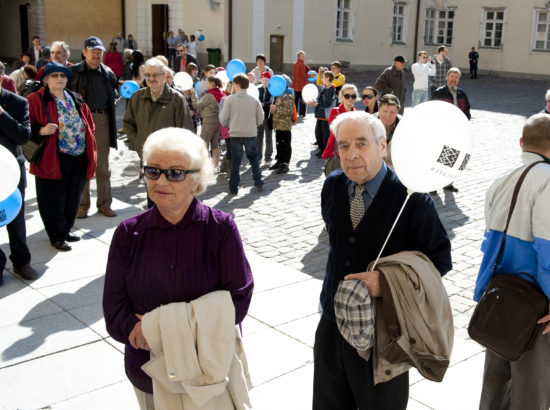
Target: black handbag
{"points": [[33, 150], [505, 319]]}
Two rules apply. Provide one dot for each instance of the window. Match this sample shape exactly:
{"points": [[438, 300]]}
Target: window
{"points": [[541, 37], [399, 23], [492, 26], [439, 26], [345, 24]]}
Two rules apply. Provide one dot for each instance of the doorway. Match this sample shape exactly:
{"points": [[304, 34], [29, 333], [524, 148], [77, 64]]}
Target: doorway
{"points": [[276, 47], [24, 26], [160, 28]]}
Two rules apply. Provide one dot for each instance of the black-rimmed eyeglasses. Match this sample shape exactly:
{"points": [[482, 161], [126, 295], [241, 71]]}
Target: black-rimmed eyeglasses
{"points": [[173, 175]]}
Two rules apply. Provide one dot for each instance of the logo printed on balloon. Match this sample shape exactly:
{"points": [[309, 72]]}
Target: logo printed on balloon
{"points": [[448, 156]]}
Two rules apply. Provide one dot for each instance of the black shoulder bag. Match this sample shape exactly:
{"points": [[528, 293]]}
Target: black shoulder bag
{"points": [[505, 319], [33, 151]]}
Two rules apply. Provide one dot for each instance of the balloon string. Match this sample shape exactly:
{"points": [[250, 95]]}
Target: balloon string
{"points": [[409, 193]]}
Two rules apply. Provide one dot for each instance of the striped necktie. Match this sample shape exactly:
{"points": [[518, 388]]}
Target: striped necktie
{"points": [[357, 206]]}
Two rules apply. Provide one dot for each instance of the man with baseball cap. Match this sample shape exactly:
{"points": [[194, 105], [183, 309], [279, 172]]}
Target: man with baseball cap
{"points": [[359, 204], [97, 84], [392, 81]]}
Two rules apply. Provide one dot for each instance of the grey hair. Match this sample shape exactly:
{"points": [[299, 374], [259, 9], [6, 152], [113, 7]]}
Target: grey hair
{"points": [[454, 70], [547, 94], [155, 62], [64, 45], [2, 68], [188, 145], [369, 120], [345, 87]]}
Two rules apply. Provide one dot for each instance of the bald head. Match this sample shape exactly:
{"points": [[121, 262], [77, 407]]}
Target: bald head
{"points": [[536, 134]]}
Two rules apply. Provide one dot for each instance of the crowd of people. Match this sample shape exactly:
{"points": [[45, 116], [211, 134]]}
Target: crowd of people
{"points": [[178, 134]]}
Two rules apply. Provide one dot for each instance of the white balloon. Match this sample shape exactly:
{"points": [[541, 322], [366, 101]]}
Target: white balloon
{"points": [[222, 75], [183, 80], [310, 93], [10, 173], [431, 145], [197, 34], [253, 91]]}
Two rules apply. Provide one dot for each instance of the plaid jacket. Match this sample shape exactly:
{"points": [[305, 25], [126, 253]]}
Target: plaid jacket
{"points": [[440, 78]]}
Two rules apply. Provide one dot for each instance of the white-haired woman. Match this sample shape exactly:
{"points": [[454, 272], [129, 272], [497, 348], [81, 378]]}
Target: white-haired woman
{"points": [[176, 251], [348, 97]]}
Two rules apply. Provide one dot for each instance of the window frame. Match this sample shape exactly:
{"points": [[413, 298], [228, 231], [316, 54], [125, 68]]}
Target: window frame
{"points": [[404, 25], [483, 30], [351, 11], [436, 20], [534, 31]]}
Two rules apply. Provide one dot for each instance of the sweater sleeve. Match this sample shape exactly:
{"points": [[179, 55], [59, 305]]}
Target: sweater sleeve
{"points": [[117, 306]]}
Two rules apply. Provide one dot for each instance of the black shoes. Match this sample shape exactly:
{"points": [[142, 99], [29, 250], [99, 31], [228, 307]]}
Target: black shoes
{"points": [[62, 246], [450, 188], [283, 169], [26, 272], [72, 238], [276, 165], [233, 191]]}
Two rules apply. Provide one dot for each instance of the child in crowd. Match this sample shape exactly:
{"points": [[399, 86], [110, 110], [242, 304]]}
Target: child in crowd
{"points": [[325, 102], [224, 133], [282, 112], [209, 70], [209, 109]]}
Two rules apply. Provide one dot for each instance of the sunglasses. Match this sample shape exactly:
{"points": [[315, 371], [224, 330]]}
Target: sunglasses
{"points": [[368, 96], [172, 175], [348, 96], [180, 51], [57, 75]]}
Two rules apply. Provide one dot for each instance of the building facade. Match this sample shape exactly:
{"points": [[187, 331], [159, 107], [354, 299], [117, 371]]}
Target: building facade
{"points": [[513, 37]]}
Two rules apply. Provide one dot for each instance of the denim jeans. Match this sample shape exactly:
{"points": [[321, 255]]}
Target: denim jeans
{"points": [[250, 147], [419, 96]]}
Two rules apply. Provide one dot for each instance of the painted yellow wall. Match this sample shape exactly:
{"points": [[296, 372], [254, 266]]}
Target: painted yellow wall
{"points": [[73, 22]]}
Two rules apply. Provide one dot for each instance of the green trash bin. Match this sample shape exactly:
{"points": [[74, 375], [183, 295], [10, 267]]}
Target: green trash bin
{"points": [[214, 56]]}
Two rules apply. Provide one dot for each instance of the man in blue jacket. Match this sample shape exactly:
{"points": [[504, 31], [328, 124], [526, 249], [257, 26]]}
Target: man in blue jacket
{"points": [[359, 204]]}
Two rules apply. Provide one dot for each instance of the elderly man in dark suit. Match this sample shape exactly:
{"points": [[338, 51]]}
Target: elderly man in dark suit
{"points": [[183, 58], [15, 130]]}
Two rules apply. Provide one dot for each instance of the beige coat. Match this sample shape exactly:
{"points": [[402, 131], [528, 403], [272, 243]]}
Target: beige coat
{"points": [[412, 292], [197, 358]]}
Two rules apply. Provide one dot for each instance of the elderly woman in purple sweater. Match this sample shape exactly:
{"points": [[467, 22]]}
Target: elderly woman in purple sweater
{"points": [[176, 251]]}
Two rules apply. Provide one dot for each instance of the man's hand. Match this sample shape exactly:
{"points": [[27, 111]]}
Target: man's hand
{"points": [[545, 319], [371, 279], [136, 338]]}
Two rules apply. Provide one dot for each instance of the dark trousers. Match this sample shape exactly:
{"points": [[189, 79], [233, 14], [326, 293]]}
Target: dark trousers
{"points": [[343, 380], [473, 70], [300, 104], [322, 133], [17, 233], [284, 149], [58, 199]]}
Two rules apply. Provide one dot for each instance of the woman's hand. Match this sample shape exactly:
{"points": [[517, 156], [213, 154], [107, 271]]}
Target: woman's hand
{"points": [[48, 129], [272, 107], [136, 338]]}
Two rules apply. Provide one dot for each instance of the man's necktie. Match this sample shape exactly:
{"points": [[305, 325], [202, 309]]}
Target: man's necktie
{"points": [[357, 206]]}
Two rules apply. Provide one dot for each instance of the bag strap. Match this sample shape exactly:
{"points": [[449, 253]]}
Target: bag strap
{"points": [[45, 108], [512, 206]]}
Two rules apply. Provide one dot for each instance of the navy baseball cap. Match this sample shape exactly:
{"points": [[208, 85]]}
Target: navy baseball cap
{"points": [[94, 43]]}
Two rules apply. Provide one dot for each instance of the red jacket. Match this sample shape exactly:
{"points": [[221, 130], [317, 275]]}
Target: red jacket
{"points": [[114, 62], [331, 143], [48, 168], [299, 75]]}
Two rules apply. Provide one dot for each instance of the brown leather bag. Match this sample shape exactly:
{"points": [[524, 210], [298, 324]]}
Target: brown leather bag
{"points": [[505, 319]]}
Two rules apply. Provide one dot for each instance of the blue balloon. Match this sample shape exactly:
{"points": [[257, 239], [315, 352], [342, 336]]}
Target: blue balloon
{"points": [[312, 76], [9, 207], [128, 88], [276, 85], [201, 37], [234, 67]]}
